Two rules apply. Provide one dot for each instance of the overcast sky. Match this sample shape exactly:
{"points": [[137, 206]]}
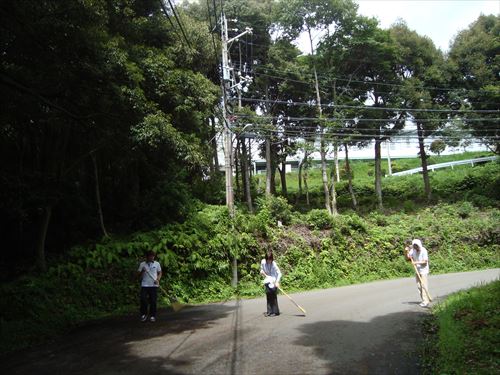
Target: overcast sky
{"points": [[440, 20]]}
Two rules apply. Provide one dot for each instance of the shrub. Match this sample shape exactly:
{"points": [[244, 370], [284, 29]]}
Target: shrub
{"points": [[465, 209], [319, 219], [275, 209]]}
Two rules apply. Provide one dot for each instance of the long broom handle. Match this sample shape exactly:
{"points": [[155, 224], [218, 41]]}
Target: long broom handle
{"points": [[175, 305], [421, 283], [291, 299], [161, 288]]}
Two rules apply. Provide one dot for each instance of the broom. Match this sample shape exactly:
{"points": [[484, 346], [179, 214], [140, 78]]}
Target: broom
{"points": [[176, 306], [421, 283], [291, 299]]}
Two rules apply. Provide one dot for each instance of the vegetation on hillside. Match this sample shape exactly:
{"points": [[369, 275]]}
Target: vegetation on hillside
{"points": [[314, 250], [463, 335]]}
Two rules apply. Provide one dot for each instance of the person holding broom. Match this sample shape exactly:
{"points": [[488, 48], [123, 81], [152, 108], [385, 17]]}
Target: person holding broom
{"points": [[417, 254], [270, 270], [150, 275]]}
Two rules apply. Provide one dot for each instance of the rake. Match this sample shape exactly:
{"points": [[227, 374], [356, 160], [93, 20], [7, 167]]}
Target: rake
{"points": [[291, 299]]}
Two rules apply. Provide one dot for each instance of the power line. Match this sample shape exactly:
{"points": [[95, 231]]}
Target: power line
{"points": [[348, 79], [310, 83], [333, 135], [177, 19], [311, 104]]}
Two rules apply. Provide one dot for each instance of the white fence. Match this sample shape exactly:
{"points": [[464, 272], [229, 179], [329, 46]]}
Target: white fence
{"points": [[451, 164]]}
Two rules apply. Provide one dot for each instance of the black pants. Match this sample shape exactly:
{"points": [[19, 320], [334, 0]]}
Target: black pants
{"points": [[149, 296], [272, 300]]}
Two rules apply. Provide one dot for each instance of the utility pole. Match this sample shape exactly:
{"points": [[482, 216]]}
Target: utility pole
{"points": [[228, 137]]}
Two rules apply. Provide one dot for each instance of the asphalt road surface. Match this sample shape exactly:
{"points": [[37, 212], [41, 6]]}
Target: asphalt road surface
{"points": [[370, 328]]}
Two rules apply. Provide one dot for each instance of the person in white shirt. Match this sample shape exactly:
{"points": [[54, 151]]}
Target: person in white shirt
{"points": [[270, 270], [417, 254], [150, 274]]}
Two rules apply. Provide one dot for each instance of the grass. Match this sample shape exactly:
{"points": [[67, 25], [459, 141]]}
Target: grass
{"points": [[466, 338], [364, 169]]}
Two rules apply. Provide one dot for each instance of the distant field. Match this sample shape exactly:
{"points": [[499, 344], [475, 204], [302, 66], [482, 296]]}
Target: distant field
{"points": [[364, 169]]}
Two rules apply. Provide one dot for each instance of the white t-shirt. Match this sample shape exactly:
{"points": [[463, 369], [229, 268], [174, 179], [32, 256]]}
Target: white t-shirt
{"points": [[420, 256], [272, 271], [151, 273]]}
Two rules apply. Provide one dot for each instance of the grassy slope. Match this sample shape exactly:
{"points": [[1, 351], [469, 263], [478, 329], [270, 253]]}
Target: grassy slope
{"points": [[467, 333], [363, 170]]}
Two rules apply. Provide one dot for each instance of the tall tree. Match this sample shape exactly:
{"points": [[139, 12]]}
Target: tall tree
{"points": [[81, 78], [474, 63], [297, 16], [420, 69], [366, 59]]}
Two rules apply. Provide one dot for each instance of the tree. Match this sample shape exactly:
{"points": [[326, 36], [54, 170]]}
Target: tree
{"points": [[420, 68], [474, 64], [102, 80], [297, 16], [367, 58], [437, 146]]}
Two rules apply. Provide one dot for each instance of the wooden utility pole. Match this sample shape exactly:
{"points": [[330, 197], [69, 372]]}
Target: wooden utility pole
{"points": [[228, 136]]}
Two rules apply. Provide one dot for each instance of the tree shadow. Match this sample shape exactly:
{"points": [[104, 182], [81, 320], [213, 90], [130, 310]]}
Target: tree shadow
{"points": [[385, 345], [105, 346]]}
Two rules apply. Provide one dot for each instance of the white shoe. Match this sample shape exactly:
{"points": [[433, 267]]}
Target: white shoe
{"points": [[144, 318], [423, 304], [152, 319]]}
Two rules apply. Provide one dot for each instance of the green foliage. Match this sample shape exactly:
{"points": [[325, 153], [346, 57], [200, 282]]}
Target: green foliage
{"points": [[313, 251], [273, 209], [467, 326], [437, 146], [319, 219]]}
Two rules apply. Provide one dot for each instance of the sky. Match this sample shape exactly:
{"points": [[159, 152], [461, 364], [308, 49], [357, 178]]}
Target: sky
{"points": [[440, 20]]}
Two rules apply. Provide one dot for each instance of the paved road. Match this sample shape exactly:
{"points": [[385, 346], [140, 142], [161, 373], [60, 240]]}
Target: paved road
{"points": [[361, 329]]}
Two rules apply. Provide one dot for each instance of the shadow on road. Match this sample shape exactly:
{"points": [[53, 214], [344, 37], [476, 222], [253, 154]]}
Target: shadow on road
{"points": [[385, 345], [103, 347]]}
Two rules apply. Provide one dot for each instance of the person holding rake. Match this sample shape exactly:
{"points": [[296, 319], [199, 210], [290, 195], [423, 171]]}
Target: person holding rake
{"points": [[150, 274], [418, 256], [270, 270]]}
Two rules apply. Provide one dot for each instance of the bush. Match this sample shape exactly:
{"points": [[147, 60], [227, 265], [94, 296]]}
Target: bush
{"points": [[319, 219], [274, 209], [465, 209]]}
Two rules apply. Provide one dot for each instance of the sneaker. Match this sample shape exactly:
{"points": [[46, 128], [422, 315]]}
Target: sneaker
{"points": [[423, 304], [144, 318], [152, 319]]}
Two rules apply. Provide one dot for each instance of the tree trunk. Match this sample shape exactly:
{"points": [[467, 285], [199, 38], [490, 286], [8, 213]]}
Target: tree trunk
{"points": [[40, 249], [324, 172], [237, 170], [349, 177], [336, 159], [284, 189], [300, 181], [423, 158], [306, 186], [333, 192], [250, 165], [246, 176], [324, 175], [98, 195], [302, 167], [378, 173], [268, 167]]}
